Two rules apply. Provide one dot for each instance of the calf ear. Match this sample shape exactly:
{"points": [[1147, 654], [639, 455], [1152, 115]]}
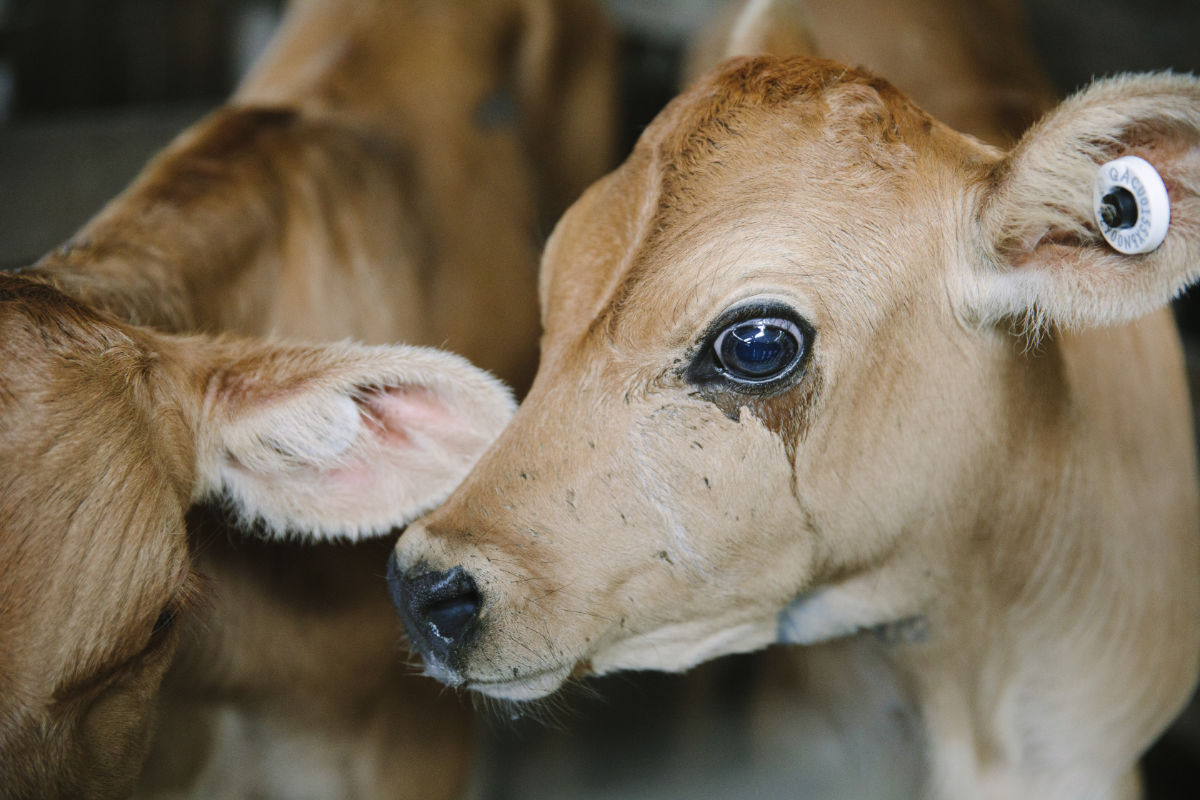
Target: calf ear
{"points": [[751, 28], [342, 440], [769, 27], [1047, 262]]}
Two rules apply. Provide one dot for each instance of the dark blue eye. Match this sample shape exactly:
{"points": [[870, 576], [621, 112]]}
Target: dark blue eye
{"points": [[758, 350]]}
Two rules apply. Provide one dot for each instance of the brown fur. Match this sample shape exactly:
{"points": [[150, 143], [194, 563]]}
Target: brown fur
{"points": [[1003, 526], [361, 184], [111, 433]]}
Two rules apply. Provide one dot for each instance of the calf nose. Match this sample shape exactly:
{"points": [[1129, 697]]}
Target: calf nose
{"points": [[438, 608]]}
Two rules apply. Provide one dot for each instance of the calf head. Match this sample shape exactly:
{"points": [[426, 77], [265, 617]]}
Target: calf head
{"points": [[793, 380], [109, 433]]}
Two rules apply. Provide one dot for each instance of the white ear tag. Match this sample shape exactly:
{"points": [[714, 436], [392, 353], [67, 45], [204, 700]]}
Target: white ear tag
{"points": [[1131, 205]]}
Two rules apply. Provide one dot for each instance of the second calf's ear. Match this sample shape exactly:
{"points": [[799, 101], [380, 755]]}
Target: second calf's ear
{"points": [[342, 440], [1048, 263]]}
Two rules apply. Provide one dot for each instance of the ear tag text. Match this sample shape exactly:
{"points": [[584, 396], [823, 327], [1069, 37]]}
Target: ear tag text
{"points": [[1131, 205]]}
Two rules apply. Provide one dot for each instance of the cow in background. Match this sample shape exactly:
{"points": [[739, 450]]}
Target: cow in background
{"points": [[379, 176]]}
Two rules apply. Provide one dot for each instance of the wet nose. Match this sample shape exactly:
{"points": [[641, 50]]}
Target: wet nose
{"points": [[439, 609]]}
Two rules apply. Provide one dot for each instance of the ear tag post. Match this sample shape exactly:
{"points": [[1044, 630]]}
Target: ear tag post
{"points": [[1131, 205]]}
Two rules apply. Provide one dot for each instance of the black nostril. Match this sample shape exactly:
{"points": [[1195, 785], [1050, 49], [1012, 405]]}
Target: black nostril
{"points": [[451, 616], [438, 608]]}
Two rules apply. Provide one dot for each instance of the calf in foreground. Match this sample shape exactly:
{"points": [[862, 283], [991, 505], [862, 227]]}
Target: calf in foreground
{"points": [[817, 367], [370, 180]]}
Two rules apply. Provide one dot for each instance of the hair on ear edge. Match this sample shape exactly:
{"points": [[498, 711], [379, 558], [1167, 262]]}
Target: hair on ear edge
{"points": [[1044, 262], [277, 496]]}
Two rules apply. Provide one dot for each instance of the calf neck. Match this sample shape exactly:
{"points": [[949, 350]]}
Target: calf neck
{"points": [[816, 366]]}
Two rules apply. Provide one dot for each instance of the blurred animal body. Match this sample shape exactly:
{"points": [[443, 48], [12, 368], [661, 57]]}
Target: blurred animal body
{"points": [[380, 177]]}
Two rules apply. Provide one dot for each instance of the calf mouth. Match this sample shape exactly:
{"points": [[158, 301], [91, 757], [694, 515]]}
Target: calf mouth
{"points": [[529, 686]]}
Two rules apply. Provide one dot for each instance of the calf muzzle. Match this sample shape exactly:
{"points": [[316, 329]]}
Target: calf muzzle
{"points": [[440, 609]]}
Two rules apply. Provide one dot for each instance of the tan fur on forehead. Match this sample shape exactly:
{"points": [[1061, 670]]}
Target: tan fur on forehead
{"points": [[716, 109], [843, 125]]}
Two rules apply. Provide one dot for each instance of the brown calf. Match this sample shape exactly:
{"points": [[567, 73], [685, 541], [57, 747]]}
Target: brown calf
{"points": [[380, 176], [111, 432], [819, 369]]}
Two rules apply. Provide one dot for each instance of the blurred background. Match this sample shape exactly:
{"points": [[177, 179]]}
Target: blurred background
{"points": [[89, 89]]}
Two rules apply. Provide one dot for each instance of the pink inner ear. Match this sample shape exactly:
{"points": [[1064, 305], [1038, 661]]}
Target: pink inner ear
{"points": [[396, 410]]}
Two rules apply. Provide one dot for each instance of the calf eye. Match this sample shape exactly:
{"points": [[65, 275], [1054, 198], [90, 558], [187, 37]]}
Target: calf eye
{"points": [[166, 619], [163, 626], [758, 350]]}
